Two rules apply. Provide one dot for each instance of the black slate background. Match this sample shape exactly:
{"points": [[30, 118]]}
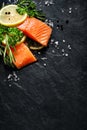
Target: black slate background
{"points": [[50, 94]]}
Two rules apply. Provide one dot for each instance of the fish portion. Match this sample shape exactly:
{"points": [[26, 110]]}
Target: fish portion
{"points": [[23, 56], [36, 30]]}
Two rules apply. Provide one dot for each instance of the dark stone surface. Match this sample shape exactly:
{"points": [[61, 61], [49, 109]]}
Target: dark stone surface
{"points": [[52, 93]]}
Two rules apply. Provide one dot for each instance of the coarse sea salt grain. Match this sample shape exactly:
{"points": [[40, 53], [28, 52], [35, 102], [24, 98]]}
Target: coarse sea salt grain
{"points": [[56, 43], [70, 8], [53, 51], [63, 50], [70, 11], [62, 11], [44, 58], [39, 52], [66, 54], [10, 85], [45, 64], [64, 41], [9, 76]]}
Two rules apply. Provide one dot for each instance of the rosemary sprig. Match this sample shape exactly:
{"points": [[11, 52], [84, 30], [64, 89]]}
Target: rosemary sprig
{"points": [[7, 51]]}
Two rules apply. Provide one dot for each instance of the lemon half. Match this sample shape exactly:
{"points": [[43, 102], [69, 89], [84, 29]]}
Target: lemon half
{"points": [[10, 17]]}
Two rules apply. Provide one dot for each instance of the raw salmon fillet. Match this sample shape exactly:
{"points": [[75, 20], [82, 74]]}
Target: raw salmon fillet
{"points": [[23, 56], [36, 30]]}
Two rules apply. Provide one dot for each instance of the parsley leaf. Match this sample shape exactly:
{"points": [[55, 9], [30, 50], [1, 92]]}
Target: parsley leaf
{"points": [[29, 7]]}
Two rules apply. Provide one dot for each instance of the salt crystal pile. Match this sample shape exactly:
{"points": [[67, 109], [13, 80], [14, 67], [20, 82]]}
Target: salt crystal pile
{"points": [[52, 41], [56, 44], [69, 47], [49, 22], [49, 2], [12, 77], [70, 10]]}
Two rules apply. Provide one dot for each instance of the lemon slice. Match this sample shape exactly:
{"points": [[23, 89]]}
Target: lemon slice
{"points": [[10, 17], [35, 45], [21, 41]]}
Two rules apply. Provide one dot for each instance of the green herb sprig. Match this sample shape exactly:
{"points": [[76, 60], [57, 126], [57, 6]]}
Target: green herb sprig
{"points": [[30, 8], [9, 36]]}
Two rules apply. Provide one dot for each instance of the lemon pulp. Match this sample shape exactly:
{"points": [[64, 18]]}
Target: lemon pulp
{"points": [[10, 17]]}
